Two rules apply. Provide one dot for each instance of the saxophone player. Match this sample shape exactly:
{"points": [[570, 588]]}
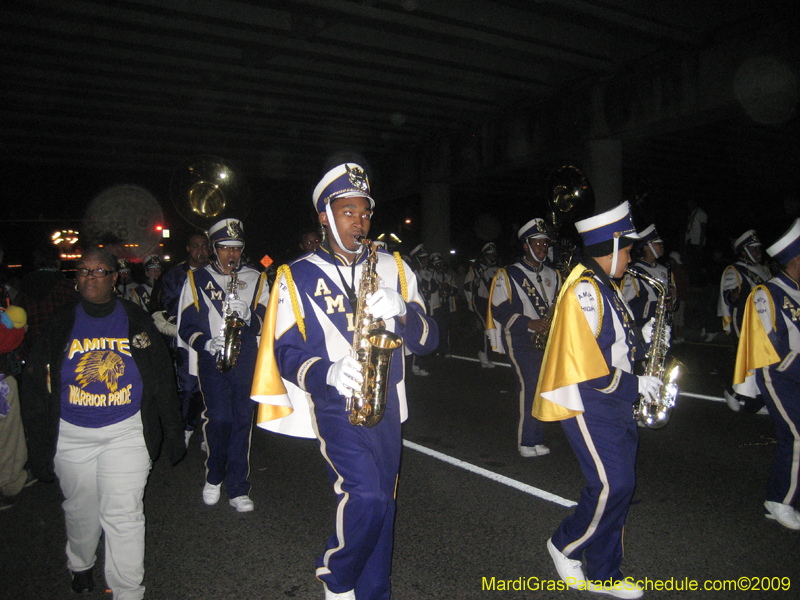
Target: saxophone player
{"points": [[306, 371], [766, 364], [206, 297], [587, 383], [641, 296], [519, 300]]}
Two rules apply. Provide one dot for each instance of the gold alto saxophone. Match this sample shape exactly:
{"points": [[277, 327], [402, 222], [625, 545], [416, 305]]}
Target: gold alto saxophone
{"points": [[538, 338], [231, 326], [655, 414], [373, 347]]}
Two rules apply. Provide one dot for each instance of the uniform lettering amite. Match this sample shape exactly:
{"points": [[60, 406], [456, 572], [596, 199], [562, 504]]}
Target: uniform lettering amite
{"points": [[322, 289], [337, 303], [350, 323], [216, 294], [122, 346], [795, 313]]}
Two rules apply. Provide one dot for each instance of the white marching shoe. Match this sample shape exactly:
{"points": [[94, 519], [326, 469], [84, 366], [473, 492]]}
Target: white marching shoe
{"points": [[242, 503], [570, 571], [732, 402], [329, 595], [485, 362], [211, 493], [783, 514], [531, 451]]}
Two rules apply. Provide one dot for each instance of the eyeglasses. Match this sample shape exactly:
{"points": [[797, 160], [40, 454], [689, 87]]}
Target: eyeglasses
{"points": [[93, 272]]}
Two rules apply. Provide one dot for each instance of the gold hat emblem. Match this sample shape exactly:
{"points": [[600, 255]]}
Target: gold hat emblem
{"points": [[234, 229], [357, 178]]}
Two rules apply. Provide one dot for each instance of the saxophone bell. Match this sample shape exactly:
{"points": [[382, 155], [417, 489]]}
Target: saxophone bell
{"points": [[656, 413], [373, 348]]}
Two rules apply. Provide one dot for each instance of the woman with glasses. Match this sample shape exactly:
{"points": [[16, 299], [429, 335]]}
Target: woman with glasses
{"points": [[100, 398]]}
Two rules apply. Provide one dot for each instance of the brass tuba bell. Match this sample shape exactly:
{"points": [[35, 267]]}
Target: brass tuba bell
{"points": [[206, 189]]}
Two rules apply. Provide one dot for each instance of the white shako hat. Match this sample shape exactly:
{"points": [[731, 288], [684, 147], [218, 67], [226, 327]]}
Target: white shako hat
{"points": [[347, 180], [748, 238], [535, 228], [601, 233], [227, 232], [788, 245]]}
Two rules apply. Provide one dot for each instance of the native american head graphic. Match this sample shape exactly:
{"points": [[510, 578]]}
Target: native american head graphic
{"points": [[100, 365]]}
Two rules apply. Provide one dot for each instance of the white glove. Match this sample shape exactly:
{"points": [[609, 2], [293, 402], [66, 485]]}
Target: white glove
{"points": [[240, 306], [647, 330], [649, 387], [345, 375], [386, 304], [214, 345]]}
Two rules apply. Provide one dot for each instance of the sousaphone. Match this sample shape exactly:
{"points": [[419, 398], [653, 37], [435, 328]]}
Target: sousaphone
{"points": [[206, 189]]}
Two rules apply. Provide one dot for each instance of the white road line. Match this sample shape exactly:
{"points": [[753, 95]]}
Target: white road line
{"points": [[469, 358], [702, 397], [517, 485]]}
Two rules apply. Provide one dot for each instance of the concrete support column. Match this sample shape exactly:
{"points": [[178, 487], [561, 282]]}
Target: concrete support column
{"points": [[604, 170], [435, 197], [436, 217]]}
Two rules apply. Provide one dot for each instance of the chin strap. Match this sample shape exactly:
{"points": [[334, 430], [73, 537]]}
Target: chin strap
{"points": [[335, 231], [614, 257], [653, 250], [752, 258]]}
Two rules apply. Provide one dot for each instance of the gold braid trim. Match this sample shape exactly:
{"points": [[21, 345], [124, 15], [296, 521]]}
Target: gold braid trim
{"points": [[194, 290], [298, 316], [590, 279], [401, 273]]}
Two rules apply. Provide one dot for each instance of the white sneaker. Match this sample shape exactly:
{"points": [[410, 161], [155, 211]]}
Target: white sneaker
{"points": [[570, 571], [211, 493], [329, 595], [242, 503], [619, 589], [485, 362], [732, 402], [783, 514], [763, 411], [188, 436], [204, 446], [531, 451]]}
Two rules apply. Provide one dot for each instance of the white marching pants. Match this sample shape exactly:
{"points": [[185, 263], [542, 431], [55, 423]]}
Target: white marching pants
{"points": [[102, 473]]}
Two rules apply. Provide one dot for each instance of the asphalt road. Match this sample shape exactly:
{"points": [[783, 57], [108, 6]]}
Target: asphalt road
{"points": [[697, 513]]}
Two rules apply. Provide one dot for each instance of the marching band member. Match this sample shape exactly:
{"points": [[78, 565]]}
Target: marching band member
{"points": [[165, 304], [520, 299], [228, 414], [140, 295], [587, 383], [477, 284], [640, 295], [766, 364], [306, 353], [738, 280], [446, 289]]}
